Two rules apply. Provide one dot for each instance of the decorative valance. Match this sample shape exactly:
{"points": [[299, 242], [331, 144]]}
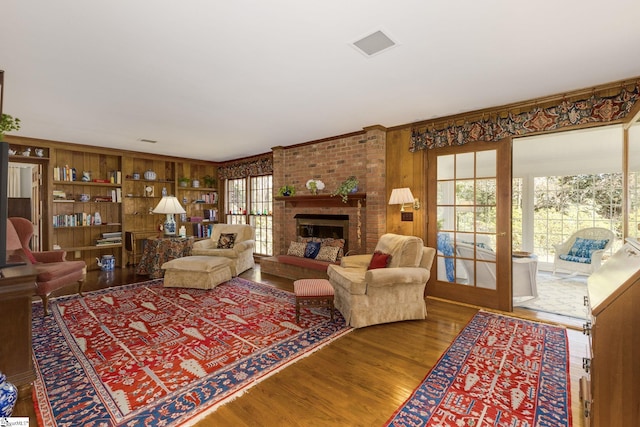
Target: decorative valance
{"points": [[595, 109], [241, 169]]}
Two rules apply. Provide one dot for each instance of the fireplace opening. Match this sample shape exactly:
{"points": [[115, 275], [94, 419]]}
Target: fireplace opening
{"points": [[324, 226]]}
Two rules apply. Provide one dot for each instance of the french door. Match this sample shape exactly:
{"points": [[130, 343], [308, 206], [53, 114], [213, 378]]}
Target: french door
{"points": [[469, 222]]}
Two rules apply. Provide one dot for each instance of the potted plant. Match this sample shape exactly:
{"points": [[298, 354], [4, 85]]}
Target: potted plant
{"points": [[287, 190], [7, 124], [209, 181], [349, 185], [314, 185], [184, 181]]}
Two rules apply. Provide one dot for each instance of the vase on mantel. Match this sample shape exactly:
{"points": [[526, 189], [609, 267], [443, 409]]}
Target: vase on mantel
{"points": [[8, 396]]}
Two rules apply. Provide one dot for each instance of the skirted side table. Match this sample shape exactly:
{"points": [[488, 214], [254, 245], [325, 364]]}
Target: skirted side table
{"points": [[159, 250]]}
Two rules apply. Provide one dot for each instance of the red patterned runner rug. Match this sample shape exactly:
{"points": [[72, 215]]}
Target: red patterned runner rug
{"points": [[499, 371], [146, 355]]}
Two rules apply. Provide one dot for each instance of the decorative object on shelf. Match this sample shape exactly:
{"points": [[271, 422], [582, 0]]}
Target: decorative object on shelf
{"points": [[169, 205], [314, 185], [85, 197], [164, 191], [149, 191], [12, 152], [150, 175], [183, 231], [86, 176], [107, 263], [26, 152], [209, 181], [97, 219], [8, 396], [195, 183], [287, 190], [349, 185], [7, 124], [39, 152], [136, 175], [184, 181]]}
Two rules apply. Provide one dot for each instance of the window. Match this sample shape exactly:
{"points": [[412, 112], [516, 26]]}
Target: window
{"points": [[250, 201]]}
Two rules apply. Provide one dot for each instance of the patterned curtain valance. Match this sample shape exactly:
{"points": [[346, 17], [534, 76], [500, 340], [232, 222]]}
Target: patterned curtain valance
{"points": [[594, 109], [243, 169]]}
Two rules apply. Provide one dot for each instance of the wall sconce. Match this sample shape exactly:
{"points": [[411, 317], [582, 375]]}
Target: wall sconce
{"points": [[400, 196]]}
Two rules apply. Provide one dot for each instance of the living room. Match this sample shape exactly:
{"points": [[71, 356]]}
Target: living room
{"points": [[333, 386]]}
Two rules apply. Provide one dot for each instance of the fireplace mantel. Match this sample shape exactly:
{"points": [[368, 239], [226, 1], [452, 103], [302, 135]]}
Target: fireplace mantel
{"points": [[323, 200]]}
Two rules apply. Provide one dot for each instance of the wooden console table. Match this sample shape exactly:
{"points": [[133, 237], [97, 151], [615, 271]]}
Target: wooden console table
{"points": [[17, 287]]}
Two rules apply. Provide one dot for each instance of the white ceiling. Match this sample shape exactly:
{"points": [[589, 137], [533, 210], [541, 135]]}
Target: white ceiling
{"points": [[222, 80]]}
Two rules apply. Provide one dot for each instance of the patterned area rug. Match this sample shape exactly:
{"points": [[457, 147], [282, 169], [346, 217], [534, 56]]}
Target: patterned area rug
{"points": [[146, 355], [499, 371], [559, 294]]}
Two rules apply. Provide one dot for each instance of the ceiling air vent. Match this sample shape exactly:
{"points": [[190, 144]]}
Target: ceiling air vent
{"points": [[374, 44]]}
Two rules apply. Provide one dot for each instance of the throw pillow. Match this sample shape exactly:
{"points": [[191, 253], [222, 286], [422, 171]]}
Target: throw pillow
{"points": [[297, 249], [226, 240], [583, 248], [328, 253], [312, 249], [338, 243], [379, 260]]}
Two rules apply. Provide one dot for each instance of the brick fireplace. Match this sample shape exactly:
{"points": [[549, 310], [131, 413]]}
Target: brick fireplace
{"points": [[361, 154]]}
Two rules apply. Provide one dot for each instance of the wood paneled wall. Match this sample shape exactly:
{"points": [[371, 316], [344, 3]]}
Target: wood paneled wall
{"points": [[405, 169]]}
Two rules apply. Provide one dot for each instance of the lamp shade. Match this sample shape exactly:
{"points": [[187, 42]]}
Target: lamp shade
{"points": [[400, 196], [169, 205]]}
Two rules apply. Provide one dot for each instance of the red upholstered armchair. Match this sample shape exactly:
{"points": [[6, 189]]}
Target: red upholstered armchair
{"points": [[54, 272]]}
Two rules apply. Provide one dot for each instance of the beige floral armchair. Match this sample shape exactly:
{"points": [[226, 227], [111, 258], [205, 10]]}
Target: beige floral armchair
{"points": [[240, 250], [382, 295]]}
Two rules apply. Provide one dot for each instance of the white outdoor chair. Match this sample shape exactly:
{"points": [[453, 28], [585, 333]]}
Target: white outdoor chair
{"points": [[582, 252]]}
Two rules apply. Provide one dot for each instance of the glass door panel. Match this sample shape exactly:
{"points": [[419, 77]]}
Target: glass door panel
{"points": [[470, 227]]}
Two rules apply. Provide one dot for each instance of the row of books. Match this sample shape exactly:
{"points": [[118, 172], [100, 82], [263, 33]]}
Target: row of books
{"points": [[80, 219], [66, 173], [201, 229], [211, 198], [111, 238]]}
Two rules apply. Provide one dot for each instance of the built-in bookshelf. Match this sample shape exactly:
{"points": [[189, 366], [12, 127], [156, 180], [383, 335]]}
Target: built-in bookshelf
{"points": [[86, 204], [198, 194]]}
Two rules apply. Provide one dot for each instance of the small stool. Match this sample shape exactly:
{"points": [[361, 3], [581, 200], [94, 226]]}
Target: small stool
{"points": [[313, 293], [199, 272]]}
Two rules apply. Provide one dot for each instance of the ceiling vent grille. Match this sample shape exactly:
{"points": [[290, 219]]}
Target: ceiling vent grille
{"points": [[374, 44]]}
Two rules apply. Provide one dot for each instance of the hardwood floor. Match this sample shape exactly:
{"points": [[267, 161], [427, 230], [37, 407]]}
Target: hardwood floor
{"points": [[358, 380]]}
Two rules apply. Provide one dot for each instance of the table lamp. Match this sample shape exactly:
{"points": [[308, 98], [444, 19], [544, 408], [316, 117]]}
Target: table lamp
{"points": [[169, 205]]}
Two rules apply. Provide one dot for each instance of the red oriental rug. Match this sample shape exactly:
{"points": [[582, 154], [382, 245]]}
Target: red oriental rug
{"points": [[146, 355], [499, 371]]}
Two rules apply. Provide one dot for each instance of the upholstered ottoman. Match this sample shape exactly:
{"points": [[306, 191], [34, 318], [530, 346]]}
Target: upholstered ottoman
{"points": [[199, 272], [313, 293]]}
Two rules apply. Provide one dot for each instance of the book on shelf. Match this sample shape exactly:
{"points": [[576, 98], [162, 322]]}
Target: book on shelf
{"points": [[210, 214], [112, 235], [116, 195], [201, 230], [64, 173]]}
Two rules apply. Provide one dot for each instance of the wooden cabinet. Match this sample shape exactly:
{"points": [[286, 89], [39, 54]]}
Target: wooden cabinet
{"points": [[86, 205], [611, 388], [17, 285]]}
